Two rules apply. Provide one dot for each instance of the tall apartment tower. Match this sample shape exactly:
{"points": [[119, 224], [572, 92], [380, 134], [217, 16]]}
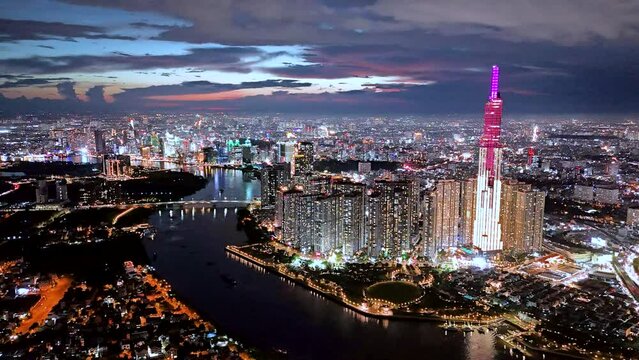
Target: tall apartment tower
{"points": [[446, 204], [507, 216], [272, 178], [352, 223], [486, 227], [304, 158], [427, 245], [468, 209], [373, 222], [398, 201], [529, 221]]}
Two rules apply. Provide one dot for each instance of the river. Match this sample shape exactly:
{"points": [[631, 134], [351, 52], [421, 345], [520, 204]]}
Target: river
{"points": [[267, 312]]}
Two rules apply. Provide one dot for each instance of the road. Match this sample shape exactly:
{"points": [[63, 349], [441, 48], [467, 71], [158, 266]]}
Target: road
{"points": [[50, 296]]}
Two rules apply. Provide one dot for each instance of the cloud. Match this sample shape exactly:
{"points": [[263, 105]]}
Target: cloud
{"points": [[231, 59], [95, 95], [13, 30], [25, 82], [565, 22], [66, 90], [197, 90], [318, 22]]}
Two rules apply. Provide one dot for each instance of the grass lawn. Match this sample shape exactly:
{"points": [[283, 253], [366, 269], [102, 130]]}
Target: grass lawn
{"points": [[396, 292]]}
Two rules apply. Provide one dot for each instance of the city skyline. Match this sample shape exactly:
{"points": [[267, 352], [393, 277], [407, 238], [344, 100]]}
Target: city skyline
{"points": [[316, 56]]}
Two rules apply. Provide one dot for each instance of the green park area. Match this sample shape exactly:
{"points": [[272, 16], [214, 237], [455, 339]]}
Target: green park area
{"points": [[396, 292]]}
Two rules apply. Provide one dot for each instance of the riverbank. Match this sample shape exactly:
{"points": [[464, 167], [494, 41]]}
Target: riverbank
{"points": [[336, 295]]}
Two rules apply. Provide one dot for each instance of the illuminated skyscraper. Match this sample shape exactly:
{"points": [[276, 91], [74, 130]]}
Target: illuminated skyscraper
{"points": [[304, 158], [486, 228]]}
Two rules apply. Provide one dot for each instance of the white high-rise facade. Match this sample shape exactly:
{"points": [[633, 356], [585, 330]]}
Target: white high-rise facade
{"points": [[486, 227]]}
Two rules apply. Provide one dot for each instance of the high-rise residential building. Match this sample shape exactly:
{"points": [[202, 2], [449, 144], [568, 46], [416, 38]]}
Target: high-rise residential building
{"points": [[632, 218], [445, 209], [528, 215], [321, 184], [468, 208], [398, 200], [325, 221], [61, 193], [373, 223], [100, 142], [427, 244], [351, 229], [285, 151], [289, 216], [486, 227], [42, 192], [272, 178], [349, 218], [509, 206], [304, 158]]}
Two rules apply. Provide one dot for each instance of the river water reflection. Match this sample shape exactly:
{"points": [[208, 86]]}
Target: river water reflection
{"points": [[265, 311]]}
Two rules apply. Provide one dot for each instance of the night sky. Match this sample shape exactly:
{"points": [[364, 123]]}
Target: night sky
{"points": [[318, 56]]}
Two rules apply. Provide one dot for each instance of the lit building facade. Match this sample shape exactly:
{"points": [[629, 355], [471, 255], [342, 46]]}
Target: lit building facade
{"points": [[486, 227], [116, 166], [304, 158], [398, 202], [272, 178], [446, 204], [528, 224]]}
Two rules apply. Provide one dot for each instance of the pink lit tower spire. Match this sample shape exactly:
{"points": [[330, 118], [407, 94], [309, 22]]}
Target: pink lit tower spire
{"points": [[486, 227]]}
